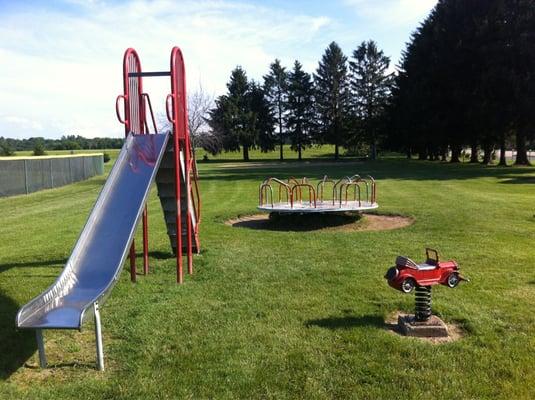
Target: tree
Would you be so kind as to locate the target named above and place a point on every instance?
(276, 86)
(242, 119)
(263, 118)
(466, 78)
(331, 88)
(199, 105)
(300, 106)
(39, 148)
(370, 90)
(5, 148)
(238, 112)
(220, 129)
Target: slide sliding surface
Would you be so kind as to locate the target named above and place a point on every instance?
(98, 256)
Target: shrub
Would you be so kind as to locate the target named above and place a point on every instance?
(6, 150)
(39, 149)
(106, 157)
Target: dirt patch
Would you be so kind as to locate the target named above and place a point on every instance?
(309, 222)
(455, 331)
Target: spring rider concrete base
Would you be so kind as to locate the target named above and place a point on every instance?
(423, 323)
(433, 327)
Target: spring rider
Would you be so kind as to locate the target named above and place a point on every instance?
(408, 276)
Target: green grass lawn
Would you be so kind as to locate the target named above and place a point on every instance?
(286, 315)
(313, 152)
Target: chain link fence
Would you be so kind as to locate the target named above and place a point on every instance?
(27, 175)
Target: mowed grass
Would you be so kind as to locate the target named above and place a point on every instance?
(286, 315)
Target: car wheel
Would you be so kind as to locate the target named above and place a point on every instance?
(408, 285)
(453, 280)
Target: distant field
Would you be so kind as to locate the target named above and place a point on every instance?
(287, 314)
(66, 152)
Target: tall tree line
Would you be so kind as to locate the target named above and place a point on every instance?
(467, 79)
(70, 142)
(341, 104)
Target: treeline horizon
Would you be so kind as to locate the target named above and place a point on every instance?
(340, 104)
(8, 146)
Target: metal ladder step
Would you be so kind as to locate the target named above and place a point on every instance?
(165, 182)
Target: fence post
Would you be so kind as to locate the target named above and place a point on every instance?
(70, 170)
(25, 177)
(51, 174)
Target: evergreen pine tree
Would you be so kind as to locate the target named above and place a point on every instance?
(263, 120)
(300, 106)
(238, 113)
(242, 118)
(370, 90)
(276, 86)
(332, 97)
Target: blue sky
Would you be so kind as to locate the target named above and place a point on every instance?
(60, 61)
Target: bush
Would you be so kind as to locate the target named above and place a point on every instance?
(106, 157)
(39, 149)
(6, 150)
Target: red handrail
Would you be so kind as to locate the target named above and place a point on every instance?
(134, 121)
(147, 98)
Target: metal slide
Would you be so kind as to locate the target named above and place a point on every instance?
(98, 256)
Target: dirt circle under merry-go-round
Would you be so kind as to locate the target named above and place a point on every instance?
(308, 222)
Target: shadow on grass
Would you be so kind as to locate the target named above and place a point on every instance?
(16, 346)
(347, 322)
(399, 169)
(327, 157)
(43, 263)
(158, 255)
(519, 180)
(64, 365)
(296, 222)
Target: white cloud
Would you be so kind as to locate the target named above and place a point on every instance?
(61, 69)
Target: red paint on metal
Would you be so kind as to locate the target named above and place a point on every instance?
(431, 272)
(135, 120)
(179, 132)
(133, 262)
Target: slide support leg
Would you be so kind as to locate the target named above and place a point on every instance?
(133, 261)
(41, 348)
(145, 242)
(98, 335)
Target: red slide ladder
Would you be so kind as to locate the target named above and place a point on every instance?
(177, 178)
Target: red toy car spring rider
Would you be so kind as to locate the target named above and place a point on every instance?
(407, 276)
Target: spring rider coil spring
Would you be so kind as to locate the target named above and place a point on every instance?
(422, 300)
